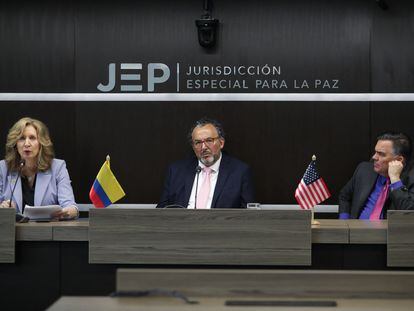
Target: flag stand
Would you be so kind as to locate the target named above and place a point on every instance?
(311, 190)
(105, 190)
(313, 221)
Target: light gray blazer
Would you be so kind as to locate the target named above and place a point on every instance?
(52, 187)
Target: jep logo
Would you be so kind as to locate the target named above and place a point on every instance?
(130, 75)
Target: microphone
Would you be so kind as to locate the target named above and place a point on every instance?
(21, 165)
(198, 170)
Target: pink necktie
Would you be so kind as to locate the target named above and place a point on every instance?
(204, 192)
(376, 213)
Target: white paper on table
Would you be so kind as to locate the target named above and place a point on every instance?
(41, 212)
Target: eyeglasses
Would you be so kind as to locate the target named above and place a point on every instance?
(208, 142)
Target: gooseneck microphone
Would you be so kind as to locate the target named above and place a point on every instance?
(198, 170)
(21, 165)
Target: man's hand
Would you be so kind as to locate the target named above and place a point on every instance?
(6, 204)
(394, 170)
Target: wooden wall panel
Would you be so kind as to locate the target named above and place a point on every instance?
(38, 46)
(56, 46)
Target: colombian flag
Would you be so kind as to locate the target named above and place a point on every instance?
(106, 189)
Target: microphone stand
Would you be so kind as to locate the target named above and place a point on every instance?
(19, 217)
(21, 165)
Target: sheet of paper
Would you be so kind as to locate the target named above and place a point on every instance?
(41, 212)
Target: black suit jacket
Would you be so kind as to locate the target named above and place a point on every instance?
(234, 186)
(355, 193)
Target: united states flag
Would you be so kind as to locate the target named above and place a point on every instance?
(312, 189)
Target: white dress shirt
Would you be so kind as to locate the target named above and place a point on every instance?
(213, 181)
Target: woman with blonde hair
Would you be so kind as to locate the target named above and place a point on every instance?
(44, 179)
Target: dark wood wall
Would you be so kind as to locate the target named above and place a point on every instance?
(61, 46)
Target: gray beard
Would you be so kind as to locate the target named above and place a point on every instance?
(207, 163)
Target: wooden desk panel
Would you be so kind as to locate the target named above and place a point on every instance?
(76, 230)
(218, 304)
(330, 231)
(400, 244)
(367, 232)
(222, 236)
(33, 231)
(71, 231)
(276, 283)
(7, 235)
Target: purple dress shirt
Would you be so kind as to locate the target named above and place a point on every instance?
(373, 197)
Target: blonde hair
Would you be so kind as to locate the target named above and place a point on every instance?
(46, 152)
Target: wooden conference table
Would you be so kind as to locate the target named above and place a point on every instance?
(55, 259)
(224, 289)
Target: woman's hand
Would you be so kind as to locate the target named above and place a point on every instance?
(69, 212)
(6, 204)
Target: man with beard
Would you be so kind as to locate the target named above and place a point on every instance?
(211, 179)
(385, 183)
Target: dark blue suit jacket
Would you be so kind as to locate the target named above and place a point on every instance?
(234, 186)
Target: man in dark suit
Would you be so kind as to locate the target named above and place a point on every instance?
(211, 179)
(386, 183)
